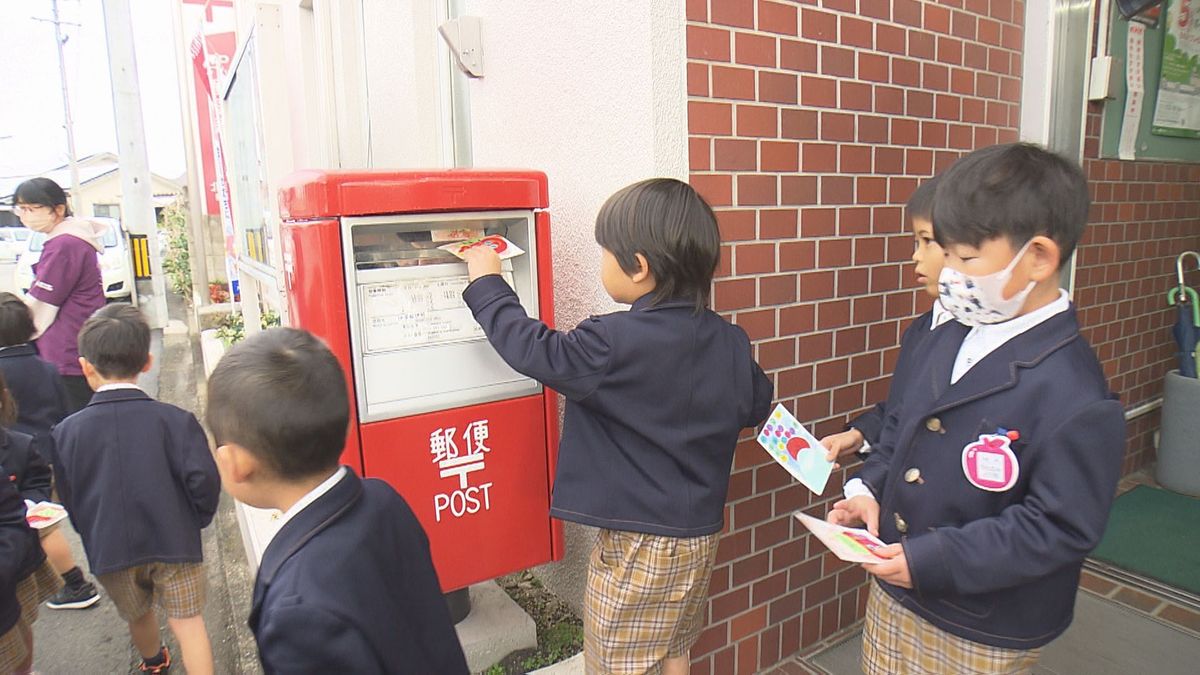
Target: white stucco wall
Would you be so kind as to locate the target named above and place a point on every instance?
(594, 95)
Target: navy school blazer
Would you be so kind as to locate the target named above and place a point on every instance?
(37, 389)
(20, 551)
(872, 422)
(656, 399)
(348, 586)
(1000, 568)
(138, 479)
(25, 466)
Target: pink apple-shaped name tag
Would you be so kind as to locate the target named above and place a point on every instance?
(989, 463)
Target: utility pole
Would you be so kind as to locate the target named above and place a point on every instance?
(68, 123)
(137, 207)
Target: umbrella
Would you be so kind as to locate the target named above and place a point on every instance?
(1187, 334)
(1187, 326)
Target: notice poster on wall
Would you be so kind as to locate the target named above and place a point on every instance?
(1177, 112)
(417, 312)
(1134, 70)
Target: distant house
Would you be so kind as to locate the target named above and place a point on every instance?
(99, 188)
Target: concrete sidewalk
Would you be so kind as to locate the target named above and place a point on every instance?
(96, 640)
(1106, 638)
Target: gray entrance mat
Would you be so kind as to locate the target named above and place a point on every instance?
(1105, 639)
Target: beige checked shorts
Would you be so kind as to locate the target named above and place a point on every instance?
(645, 599)
(32, 591)
(176, 588)
(897, 641)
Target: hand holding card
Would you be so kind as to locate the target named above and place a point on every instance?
(849, 544)
(796, 449)
(43, 514)
(502, 246)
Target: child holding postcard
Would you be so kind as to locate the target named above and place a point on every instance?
(34, 578)
(656, 398)
(18, 580)
(997, 476)
(39, 403)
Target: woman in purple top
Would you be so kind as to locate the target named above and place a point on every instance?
(67, 286)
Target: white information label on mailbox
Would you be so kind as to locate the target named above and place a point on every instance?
(417, 312)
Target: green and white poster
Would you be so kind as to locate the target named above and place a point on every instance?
(1177, 112)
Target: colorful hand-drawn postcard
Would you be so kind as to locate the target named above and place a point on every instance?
(502, 246)
(798, 451)
(849, 544)
(44, 514)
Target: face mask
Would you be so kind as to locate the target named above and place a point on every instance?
(38, 221)
(979, 300)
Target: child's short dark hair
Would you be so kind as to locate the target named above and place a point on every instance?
(1018, 191)
(116, 341)
(920, 204)
(673, 227)
(282, 396)
(16, 321)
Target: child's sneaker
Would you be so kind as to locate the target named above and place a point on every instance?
(78, 596)
(161, 665)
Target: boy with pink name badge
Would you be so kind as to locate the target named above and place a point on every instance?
(996, 479)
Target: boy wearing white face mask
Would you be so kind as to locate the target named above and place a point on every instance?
(997, 478)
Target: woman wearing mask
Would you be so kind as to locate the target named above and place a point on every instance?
(67, 286)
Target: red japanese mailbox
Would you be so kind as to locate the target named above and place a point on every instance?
(435, 412)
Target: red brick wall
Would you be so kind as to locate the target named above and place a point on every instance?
(810, 124)
(1143, 215)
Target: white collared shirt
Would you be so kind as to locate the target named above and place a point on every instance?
(940, 315)
(312, 496)
(979, 342)
(117, 385)
(983, 340)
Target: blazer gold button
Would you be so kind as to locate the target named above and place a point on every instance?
(912, 475)
(901, 526)
(933, 424)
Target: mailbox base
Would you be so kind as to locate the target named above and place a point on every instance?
(496, 627)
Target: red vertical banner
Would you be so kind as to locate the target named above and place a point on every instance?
(212, 55)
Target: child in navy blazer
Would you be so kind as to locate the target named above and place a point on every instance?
(656, 399)
(139, 481)
(997, 476)
(347, 584)
(40, 403)
(19, 455)
(19, 555)
(23, 467)
(864, 431)
(34, 383)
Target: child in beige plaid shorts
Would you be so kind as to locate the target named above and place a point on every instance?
(656, 399)
(139, 480)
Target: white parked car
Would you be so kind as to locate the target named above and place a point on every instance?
(116, 265)
(12, 243)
